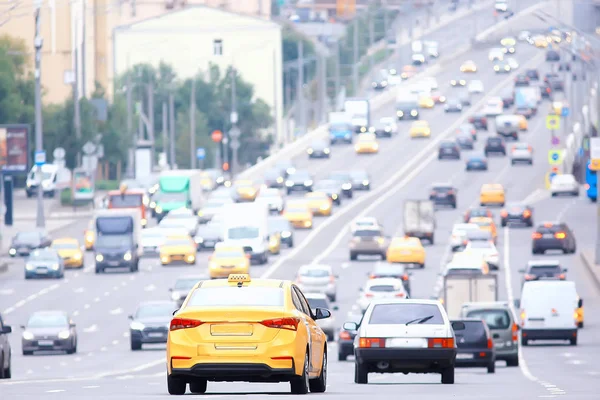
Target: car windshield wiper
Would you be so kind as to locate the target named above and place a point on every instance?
(419, 320)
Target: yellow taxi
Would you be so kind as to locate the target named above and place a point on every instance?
(366, 143)
(508, 44)
(89, 236)
(319, 203)
(541, 42)
(408, 71)
(299, 214)
(207, 181)
(275, 243)
(406, 250)
(523, 124)
(69, 250)
(426, 100)
(246, 330)
(228, 259)
(492, 193)
(246, 190)
(420, 128)
(178, 248)
(468, 66)
(579, 314)
(486, 224)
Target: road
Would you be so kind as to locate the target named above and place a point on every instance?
(104, 365)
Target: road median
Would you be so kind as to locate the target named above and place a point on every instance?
(587, 257)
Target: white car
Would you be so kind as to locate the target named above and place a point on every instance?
(521, 152)
(493, 107)
(151, 240)
(381, 288)
(564, 184)
(524, 36)
(458, 239)
(316, 300)
(431, 82)
(364, 223)
(462, 264)
(496, 54)
(183, 218)
(512, 63)
(418, 59)
(475, 87)
(317, 279)
(486, 250)
(404, 336)
(273, 198)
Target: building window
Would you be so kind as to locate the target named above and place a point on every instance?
(218, 47)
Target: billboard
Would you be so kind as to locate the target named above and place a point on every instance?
(83, 185)
(14, 149)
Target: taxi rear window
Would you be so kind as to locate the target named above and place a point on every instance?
(233, 296)
(392, 314)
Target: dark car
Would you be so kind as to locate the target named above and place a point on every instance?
(300, 180)
(274, 178)
(23, 243)
(182, 288)
(546, 90)
(525, 110)
(395, 271)
(281, 225)
(360, 179)
(286, 167)
(552, 55)
(494, 145)
(557, 85)
(318, 149)
(550, 75)
(150, 323)
(477, 162)
(49, 330)
(332, 188)
(538, 270)
(508, 97)
(516, 213)
(502, 67)
(345, 181)
(443, 194)
(479, 121)
(564, 66)
(477, 212)
(345, 339)
(533, 74)
(115, 251)
(453, 104)
(468, 128)
(465, 141)
(449, 149)
(208, 235)
(475, 346)
(553, 236)
(522, 80)
(464, 97)
(407, 109)
(5, 350)
(383, 128)
(44, 263)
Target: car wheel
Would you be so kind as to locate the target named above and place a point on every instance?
(512, 162)
(332, 298)
(2, 370)
(198, 386)
(368, 187)
(491, 367)
(361, 376)
(100, 270)
(299, 384)
(524, 342)
(27, 352)
(454, 206)
(319, 385)
(342, 356)
(136, 345)
(512, 362)
(448, 375)
(176, 386)
(580, 324)
(353, 257)
(573, 341)
(291, 244)
(422, 265)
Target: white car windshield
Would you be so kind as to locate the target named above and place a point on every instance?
(409, 313)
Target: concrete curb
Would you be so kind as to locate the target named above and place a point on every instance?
(588, 260)
(4, 266)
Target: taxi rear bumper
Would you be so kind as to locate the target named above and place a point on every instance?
(230, 372)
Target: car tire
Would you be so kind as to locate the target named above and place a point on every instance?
(368, 187)
(448, 376)
(512, 362)
(454, 206)
(361, 376)
(333, 298)
(422, 266)
(176, 386)
(512, 162)
(198, 386)
(136, 345)
(491, 368)
(319, 385)
(100, 270)
(553, 194)
(573, 341)
(383, 256)
(503, 224)
(2, 370)
(8, 370)
(27, 353)
(580, 325)
(299, 384)
(353, 256)
(524, 342)
(342, 356)
(290, 244)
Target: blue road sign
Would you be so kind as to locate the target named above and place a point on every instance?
(555, 157)
(40, 158)
(551, 176)
(200, 153)
(565, 112)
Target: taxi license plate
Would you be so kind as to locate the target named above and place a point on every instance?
(23, 250)
(41, 271)
(535, 324)
(45, 342)
(447, 151)
(464, 356)
(156, 334)
(405, 252)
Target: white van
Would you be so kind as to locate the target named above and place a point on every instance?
(49, 180)
(549, 311)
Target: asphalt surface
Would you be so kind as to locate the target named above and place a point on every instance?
(404, 168)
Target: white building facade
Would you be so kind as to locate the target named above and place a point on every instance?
(193, 38)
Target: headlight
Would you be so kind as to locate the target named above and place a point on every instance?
(442, 99)
(453, 82)
(198, 240)
(289, 183)
(372, 129)
(243, 264)
(388, 129)
(507, 68)
(191, 258)
(28, 184)
(384, 83)
(213, 265)
(414, 113)
(399, 113)
(99, 257)
(365, 183)
(28, 335)
(127, 256)
(286, 234)
(55, 266)
(363, 129)
(77, 256)
(334, 196)
(200, 213)
(347, 186)
(158, 209)
(29, 267)
(280, 180)
(374, 84)
(324, 207)
(308, 182)
(164, 259)
(137, 326)
(326, 151)
(496, 68)
(64, 334)
(144, 221)
(463, 82)
(309, 151)
(12, 252)
(174, 296)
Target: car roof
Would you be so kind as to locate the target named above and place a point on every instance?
(155, 302)
(50, 312)
(504, 305)
(315, 266)
(384, 281)
(545, 263)
(65, 240)
(406, 301)
(215, 283)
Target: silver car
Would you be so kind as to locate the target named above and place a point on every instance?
(182, 217)
(316, 300)
(521, 152)
(49, 330)
(182, 287)
(212, 207)
(272, 198)
(152, 239)
(368, 242)
(458, 238)
(564, 184)
(317, 279)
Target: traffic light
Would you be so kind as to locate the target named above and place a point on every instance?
(225, 166)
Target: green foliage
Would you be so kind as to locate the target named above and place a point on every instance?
(107, 185)
(16, 83)
(289, 43)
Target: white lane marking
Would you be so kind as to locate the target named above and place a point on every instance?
(106, 294)
(104, 348)
(91, 329)
(115, 288)
(124, 377)
(97, 300)
(9, 310)
(46, 367)
(123, 283)
(79, 290)
(116, 311)
(568, 355)
(575, 362)
(77, 359)
(86, 306)
(63, 364)
(125, 334)
(32, 297)
(115, 342)
(76, 274)
(90, 354)
(75, 313)
(511, 301)
(91, 387)
(345, 265)
(594, 373)
(150, 288)
(566, 208)
(6, 292)
(55, 391)
(29, 372)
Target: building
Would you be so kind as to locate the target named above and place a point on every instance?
(63, 28)
(191, 39)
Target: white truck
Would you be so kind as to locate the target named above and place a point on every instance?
(419, 219)
(359, 111)
(246, 225)
(468, 288)
(118, 239)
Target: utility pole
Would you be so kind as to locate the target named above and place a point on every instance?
(76, 113)
(165, 131)
(355, 59)
(83, 48)
(39, 145)
(234, 132)
(300, 87)
(323, 87)
(276, 77)
(130, 166)
(193, 124)
(371, 17)
(172, 129)
(151, 121)
(338, 73)
(385, 28)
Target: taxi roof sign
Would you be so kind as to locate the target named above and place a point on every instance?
(239, 278)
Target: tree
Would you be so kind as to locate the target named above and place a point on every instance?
(16, 83)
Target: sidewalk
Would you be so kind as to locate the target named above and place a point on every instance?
(587, 256)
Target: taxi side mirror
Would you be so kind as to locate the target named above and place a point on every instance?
(322, 313)
(580, 303)
(565, 270)
(350, 326)
(175, 311)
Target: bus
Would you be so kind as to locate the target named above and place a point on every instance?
(591, 183)
(129, 198)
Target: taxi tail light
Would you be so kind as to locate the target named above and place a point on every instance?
(536, 235)
(529, 277)
(547, 90)
(184, 323)
(369, 295)
(530, 148)
(527, 213)
(400, 295)
(345, 335)
(446, 343)
(181, 358)
(587, 186)
(490, 343)
(405, 277)
(284, 358)
(471, 119)
(248, 256)
(372, 276)
(515, 330)
(562, 277)
(371, 342)
(504, 214)
(560, 235)
(289, 323)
